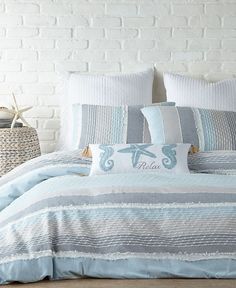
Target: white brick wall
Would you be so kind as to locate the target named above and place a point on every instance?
(39, 38)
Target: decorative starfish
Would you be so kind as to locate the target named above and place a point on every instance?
(17, 113)
(136, 151)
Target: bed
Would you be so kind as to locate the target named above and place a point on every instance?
(133, 210)
(57, 223)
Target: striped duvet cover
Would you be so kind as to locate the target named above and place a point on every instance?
(56, 224)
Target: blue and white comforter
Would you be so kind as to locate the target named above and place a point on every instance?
(56, 224)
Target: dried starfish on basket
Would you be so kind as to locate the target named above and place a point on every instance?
(14, 113)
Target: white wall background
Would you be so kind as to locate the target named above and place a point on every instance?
(39, 38)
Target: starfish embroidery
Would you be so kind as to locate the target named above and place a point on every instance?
(137, 150)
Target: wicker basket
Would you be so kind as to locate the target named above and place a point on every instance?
(17, 146)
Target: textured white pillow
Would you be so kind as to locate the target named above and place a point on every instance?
(186, 91)
(110, 90)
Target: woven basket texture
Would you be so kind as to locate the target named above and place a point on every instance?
(17, 146)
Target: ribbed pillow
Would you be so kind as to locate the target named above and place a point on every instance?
(204, 128)
(186, 91)
(113, 90)
(213, 162)
(95, 124)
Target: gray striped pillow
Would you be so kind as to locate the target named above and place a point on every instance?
(95, 124)
(207, 129)
(213, 162)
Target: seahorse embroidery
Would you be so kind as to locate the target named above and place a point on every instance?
(171, 161)
(105, 164)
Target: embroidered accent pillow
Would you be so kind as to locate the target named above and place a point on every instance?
(206, 129)
(139, 158)
(94, 124)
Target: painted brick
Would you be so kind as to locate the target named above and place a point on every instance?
(229, 22)
(187, 10)
(171, 44)
(27, 100)
(221, 55)
(42, 39)
(7, 89)
(139, 44)
(105, 44)
(72, 21)
(172, 21)
(48, 100)
(23, 32)
(38, 89)
(38, 66)
(229, 44)
(22, 8)
(139, 22)
(124, 56)
(2, 32)
(88, 55)
(21, 77)
(187, 33)
(9, 43)
(55, 33)
(210, 21)
(122, 9)
(122, 33)
(48, 77)
(89, 33)
(40, 112)
(203, 66)
(54, 55)
(106, 22)
(187, 56)
(10, 20)
(155, 34)
(104, 67)
(72, 44)
(220, 33)
(154, 9)
(35, 20)
(2, 7)
(55, 9)
(222, 9)
(9, 66)
(52, 124)
(229, 67)
(37, 43)
(88, 9)
(21, 55)
(154, 55)
(46, 134)
(72, 66)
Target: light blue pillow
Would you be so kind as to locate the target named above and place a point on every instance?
(93, 124)
(139, 158)
(204, 128)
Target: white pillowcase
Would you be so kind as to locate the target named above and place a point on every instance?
(111, 90)
(186, 91)
(139, 158)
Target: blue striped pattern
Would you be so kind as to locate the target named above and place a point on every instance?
(213, 162)
(76, 222)
(204, 128)
(94, 124)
